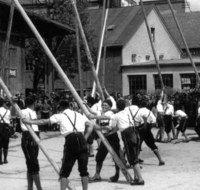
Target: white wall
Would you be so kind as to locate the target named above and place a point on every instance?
(139, 44)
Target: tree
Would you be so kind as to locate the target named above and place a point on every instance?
(63, 47)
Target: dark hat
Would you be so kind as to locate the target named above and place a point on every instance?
(108, 102)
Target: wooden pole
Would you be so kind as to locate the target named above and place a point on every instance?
(104, 54)
(35, 137)
(71, 88)
(79, 60)
(185, 43)
(152, 46)
(103, 26)
(87, 49)
(7, 42)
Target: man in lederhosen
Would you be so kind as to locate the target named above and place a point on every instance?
(76, 128)
(121, 121)
(112, 139)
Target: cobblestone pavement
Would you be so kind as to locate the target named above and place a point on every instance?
(181, 171)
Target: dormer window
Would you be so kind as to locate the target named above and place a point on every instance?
(161, 57)
(133, 58)
(147, 57)
(152, 30)
(111, 27)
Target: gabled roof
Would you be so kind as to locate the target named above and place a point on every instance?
(45, 26)
(190, 25)
(125, 21)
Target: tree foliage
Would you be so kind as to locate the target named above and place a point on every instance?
(63, 46)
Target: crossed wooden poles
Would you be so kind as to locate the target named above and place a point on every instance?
(67, 81)
(68, 84)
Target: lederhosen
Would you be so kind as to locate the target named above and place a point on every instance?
(75, 148)
(146, 135)
(168, 122)
(4, 133)
(31, 151)
(113, 140)
(131, 140)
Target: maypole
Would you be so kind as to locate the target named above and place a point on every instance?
(71, 88)
(185, 43)
(103, 29)
(104, 50)
(35, 137)
(7, 42)
(89, 56)
(152, 46)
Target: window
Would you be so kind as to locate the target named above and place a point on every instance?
(147, 57)
(133, 58)
(167, 80)
(136, 83)
(111, 27)
(29, 66)
(188, 82)
(161, 57)
(152, 30)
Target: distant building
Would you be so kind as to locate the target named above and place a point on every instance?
(17, 70)
(130, 64)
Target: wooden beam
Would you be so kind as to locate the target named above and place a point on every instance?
(79, 59)
(5, 56)
(87, 50)
(35, 137)
(185, 43)
(71, 88)
(152, 46)
(103, 30)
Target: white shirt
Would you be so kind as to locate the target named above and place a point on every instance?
(180, 113)
(145, 113)
(29, 114)
(109, 114)
(121, 120)
(169, 110)
(7, 117)
(132, 111)
(65, 125)
(159, 106)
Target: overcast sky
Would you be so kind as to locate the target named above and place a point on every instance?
(194, 4)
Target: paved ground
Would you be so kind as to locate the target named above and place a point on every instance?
(181, 172)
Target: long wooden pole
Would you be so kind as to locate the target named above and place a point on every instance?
(35, 137)
(87, 49)
(79, 59)
(71, 88)
(152, 46)
(104, 53)
(103, 26)
(185, 43)
(7, 42)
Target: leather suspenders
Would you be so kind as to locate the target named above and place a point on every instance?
(73, 124)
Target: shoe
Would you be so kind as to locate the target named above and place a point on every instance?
(91, 155)
(114, 178)
(95, 179)
(161, 163)
(140, 160)
(137, 182)
(186, 141)
(5, 161)
(1, 163)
